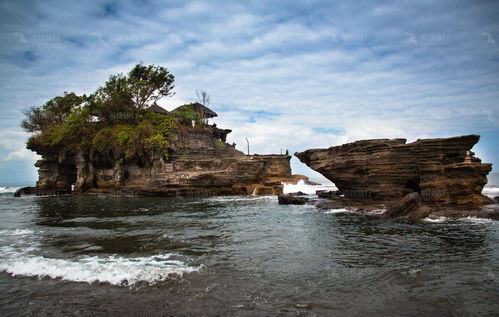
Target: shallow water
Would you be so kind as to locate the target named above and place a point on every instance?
(82, 255)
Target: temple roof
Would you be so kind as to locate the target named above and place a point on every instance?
(157, 109)
(199, 108)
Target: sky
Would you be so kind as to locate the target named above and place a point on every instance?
(288, 75)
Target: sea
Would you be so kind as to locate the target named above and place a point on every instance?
(238, 256)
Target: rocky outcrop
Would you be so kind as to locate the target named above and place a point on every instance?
(410, 207)
(199, 164)
(328, 194)
(442, 171)
(290, 199)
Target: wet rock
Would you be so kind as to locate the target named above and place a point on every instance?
(298, 194)
(443, 171)
(328, 204)
(328, 194)
(25, 191)
(409, 208)
(288, 199)
(496, 199)
(486, 212)
(404, 207)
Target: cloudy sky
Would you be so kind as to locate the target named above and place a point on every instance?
(286, 74)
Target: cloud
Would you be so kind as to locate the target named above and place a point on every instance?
(287, 75)
(22, 153)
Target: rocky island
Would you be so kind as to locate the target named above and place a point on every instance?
(120, 141)
(413, 179)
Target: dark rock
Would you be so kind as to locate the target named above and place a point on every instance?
(198, 164)
(409, 208)
(419, 213)
(25, 191)
(496, 199)
(488, 212)
(298, 194)
(328, 204)
(404, 207)
(328, 194)
(489, 201)
(288, 199)
(443, 171)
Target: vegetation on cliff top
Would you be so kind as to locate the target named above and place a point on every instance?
(114, 118)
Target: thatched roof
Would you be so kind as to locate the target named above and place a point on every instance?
(199, 108)
(157, 109)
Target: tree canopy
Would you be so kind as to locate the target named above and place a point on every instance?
(54, 111)
(113, 117)
(123, 98)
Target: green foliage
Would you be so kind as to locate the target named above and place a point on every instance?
(219, 143)
(186, 115)
(123, 98)
(149, 83)
(54, 111)
(115, 137)
(151, 134)
(111, 119)
(113, 103)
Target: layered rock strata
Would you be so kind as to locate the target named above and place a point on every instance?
(199, 164)
(443, 171)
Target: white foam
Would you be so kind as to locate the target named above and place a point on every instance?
(305, 188)
(376, 212)
(476, 220)
(490, 191)
(8, 189)
(234, 198)
(16, 232)
(436, 220)
(114, 270)
(337, 211)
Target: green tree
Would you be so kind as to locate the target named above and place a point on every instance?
(148, 84)
(54, 111)
(123, 98)
(112, 103)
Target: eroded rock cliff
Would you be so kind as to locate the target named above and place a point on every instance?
(443, 171)
(199, 163)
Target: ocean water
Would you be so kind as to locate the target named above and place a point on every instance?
(238, 256)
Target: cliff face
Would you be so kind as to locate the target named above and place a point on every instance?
(442, 171)
(199, 163)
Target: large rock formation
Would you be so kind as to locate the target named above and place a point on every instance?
(443, 171)
(199, 163)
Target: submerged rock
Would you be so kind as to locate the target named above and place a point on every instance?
(289, 199)
(443, 171)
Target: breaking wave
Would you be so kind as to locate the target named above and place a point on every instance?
(437, 220)
(301, 186)
(490, 191)
(338, 211)
(114, 270)
(22, 260)
(8, 189)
